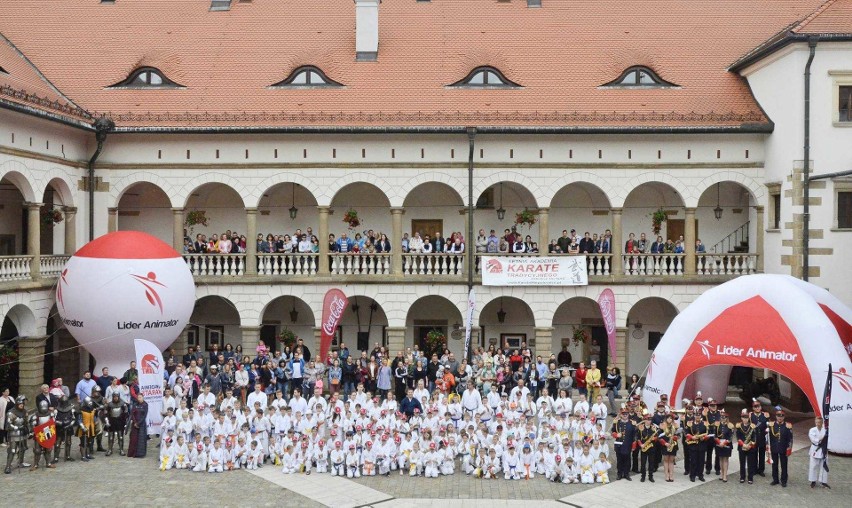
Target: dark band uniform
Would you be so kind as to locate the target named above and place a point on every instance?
(623, 434)
(747, 447)
(780, 446)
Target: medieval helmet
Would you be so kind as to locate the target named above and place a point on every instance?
(96, 388)
(20, 399)
(43, 405)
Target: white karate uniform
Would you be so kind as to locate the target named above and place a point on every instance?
(602, 471)
(816, 473)
(528, 465)
(200, 460)
(415, 463)
(569, 473)
(288, 463)
(216, 460)
(321, 458)
(586, 463)
(338, 462)
(448, 464)
(432, 461)
(353, 463)
(511, 466)
(368, 461)
(180, 457)
(254, 457)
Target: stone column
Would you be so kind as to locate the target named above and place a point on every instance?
(251, 241)
(617, 267)
(760, 230)
(251, 336)
(543, 230)
(34, 239)
(180, 342)
(469, 243)
(177, 229)
(31, 366)
(396, 340)
(323, 268)
(544, 341)
(112, 220)
(318, 343)
(621, 354)
(689, 238)
(70, 230)
(396, 241)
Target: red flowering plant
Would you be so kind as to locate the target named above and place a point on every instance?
(580, 335)
(436, 341)
(196, 218)
(525, 218)
(351, 218)
(51, 216)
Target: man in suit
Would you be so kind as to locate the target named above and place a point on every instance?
(52, 400)
(587, 246)
(624, 434)
(780, 446)
(189, 356)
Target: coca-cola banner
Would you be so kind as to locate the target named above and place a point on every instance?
(606, 301)
(333, 305)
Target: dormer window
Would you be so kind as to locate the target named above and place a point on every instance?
(639, 76)
(307, 76)
(146, 77)
(3, 71)
(483, 77)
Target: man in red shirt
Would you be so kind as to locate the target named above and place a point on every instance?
(580, 378)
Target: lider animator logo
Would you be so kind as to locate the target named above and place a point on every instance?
(762, 353)
(151, 293)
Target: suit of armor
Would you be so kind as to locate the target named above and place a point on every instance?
(17, 431)
(99, 404)
(42, 415)
(116, 423)
(67, 422)
(88, 429)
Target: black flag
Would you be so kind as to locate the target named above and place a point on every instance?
(826, 409)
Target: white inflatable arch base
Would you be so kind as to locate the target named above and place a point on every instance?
(767, 321)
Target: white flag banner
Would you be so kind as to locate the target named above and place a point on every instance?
(149, 361)
(534, 271)
(471, 306)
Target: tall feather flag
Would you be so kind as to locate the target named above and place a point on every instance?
(826, 409)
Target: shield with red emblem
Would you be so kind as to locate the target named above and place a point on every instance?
(45, 434)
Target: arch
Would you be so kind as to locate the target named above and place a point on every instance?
(196, 183)
(24, 320)
(224, 309)
(120, 186)
(404, 190)
(424, 299)
(18, 179)
(772, 322)
(360, 318)
(63, 189)
(327, 198)
(678, 186)
(519, 317)
(604, 186)
(302, 307)
(756, 190)
(509, 176)
(278, 178)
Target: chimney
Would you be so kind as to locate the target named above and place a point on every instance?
(366, 30)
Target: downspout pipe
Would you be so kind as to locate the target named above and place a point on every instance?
(471, 139)
(806, 166)
(103, 126)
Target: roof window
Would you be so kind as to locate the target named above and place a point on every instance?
(639, 76)
(485, 77)
(307, 76)
(146, 77)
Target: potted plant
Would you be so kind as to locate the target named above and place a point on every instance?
(196, 218)
(436, 341)
(352, 219)
(580, 335)
(657, 219)
(525, 218)
(287, 338)
(51, 216)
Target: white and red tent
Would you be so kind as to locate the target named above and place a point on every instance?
(767, 321)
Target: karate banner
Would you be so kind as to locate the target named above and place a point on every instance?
(471, 305)
(606, 301)
(333, 305)
(534, 271)
(149, 360)
(45, 434)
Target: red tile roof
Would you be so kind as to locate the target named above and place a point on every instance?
(833, 17)
(560, 54)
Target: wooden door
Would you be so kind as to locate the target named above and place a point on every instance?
(427, 227)
(676, 227)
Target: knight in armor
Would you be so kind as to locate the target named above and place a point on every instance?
(67, 421)
(17, 431)
(99, 404)
(88, 428)
(116, 423)
(42, 415)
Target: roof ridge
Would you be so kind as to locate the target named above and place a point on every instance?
(40, 74)
(810, 17)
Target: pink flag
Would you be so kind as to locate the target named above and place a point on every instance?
(607, 304)
(333, 305)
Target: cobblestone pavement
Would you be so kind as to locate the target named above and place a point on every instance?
(798, 492)
(461, 486)
(120, 481)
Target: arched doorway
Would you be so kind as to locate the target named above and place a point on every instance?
(146, 207)
(288, 314)
(639, 206)
(14, 188)
(507, 321)
(434, 312)
(363, 324)
(498, 206)
(215, 320)
(581, 317)
(647, 321)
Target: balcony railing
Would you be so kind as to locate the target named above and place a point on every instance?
(360, 264)
(51, 266)
(216, 265)
(287, 264)
(726, 264)
(653, 264)
(433, 264)
(15, 267)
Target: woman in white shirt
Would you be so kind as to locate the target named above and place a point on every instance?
(224, 244)
(415, 245)
(241, 379)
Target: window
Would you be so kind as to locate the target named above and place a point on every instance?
(638, 76)
(483, 77)
(775, 213)
(845, 107)
(146, 77)
(2, 70)
(844, 209)
(307, 76)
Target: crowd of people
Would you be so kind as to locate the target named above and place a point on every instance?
(414, 414)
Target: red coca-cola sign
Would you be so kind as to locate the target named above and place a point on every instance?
(333, 305)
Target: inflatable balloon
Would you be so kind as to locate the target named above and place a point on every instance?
(123, 286)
